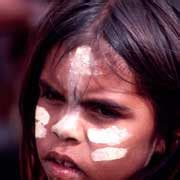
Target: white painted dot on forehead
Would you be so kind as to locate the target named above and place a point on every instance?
(110, 136)
(42, 118)
(108, 154)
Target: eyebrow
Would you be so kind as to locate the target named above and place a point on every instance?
(46, 85)
(90, 102)
(107, 103)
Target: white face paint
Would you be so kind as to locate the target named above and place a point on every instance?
(108, 154)
(42, 118)
(110, 136)
(81, 64)
(81, 61)
(66, 124)
(40, 130)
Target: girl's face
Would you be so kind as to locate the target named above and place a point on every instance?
(90, 123)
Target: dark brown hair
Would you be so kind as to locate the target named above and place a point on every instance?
(146, 34)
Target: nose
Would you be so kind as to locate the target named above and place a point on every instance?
(69, 128)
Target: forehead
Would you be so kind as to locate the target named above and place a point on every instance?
(97, 67)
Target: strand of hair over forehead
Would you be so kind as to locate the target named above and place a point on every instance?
(103, 13)
(101, 17)
(99, 9)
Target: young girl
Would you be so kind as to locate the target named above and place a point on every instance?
(101, 95)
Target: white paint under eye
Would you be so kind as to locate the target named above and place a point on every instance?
(67, 124)
(40, 130)
(42, 118)
(42, 115)
(110, 136)
(108, 154)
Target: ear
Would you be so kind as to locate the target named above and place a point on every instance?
(160, 145)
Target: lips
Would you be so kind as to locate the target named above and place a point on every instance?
(62, 166)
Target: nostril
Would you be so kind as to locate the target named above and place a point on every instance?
(66, 139)
(64, 135)
(72, 140)
(69, 128)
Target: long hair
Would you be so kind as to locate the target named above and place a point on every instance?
(146, 34)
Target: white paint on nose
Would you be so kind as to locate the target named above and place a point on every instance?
(108, 154)
(67, 126)
(42, 118)
(110, 136)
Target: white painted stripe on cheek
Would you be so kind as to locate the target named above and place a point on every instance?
(42, 118)
(40, 130)
(110, 136)
(108, 154)
(42, 115)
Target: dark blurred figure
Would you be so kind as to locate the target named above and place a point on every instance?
(17, 20)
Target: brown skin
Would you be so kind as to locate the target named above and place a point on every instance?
(138, 120)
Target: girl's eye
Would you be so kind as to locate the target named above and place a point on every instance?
(50, 94)
(102, 110)
(105, 112)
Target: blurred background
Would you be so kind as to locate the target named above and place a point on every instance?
(18, 18)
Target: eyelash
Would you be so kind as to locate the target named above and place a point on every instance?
(97, 110)
(104, 111)
(50, 95)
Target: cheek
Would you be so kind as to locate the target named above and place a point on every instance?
(40, 130)
(42, 122)
(44, 145)
(108, 154)
(140, 151)
(110, 136)
(42, 118)
(110, 141)
(114, 143)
